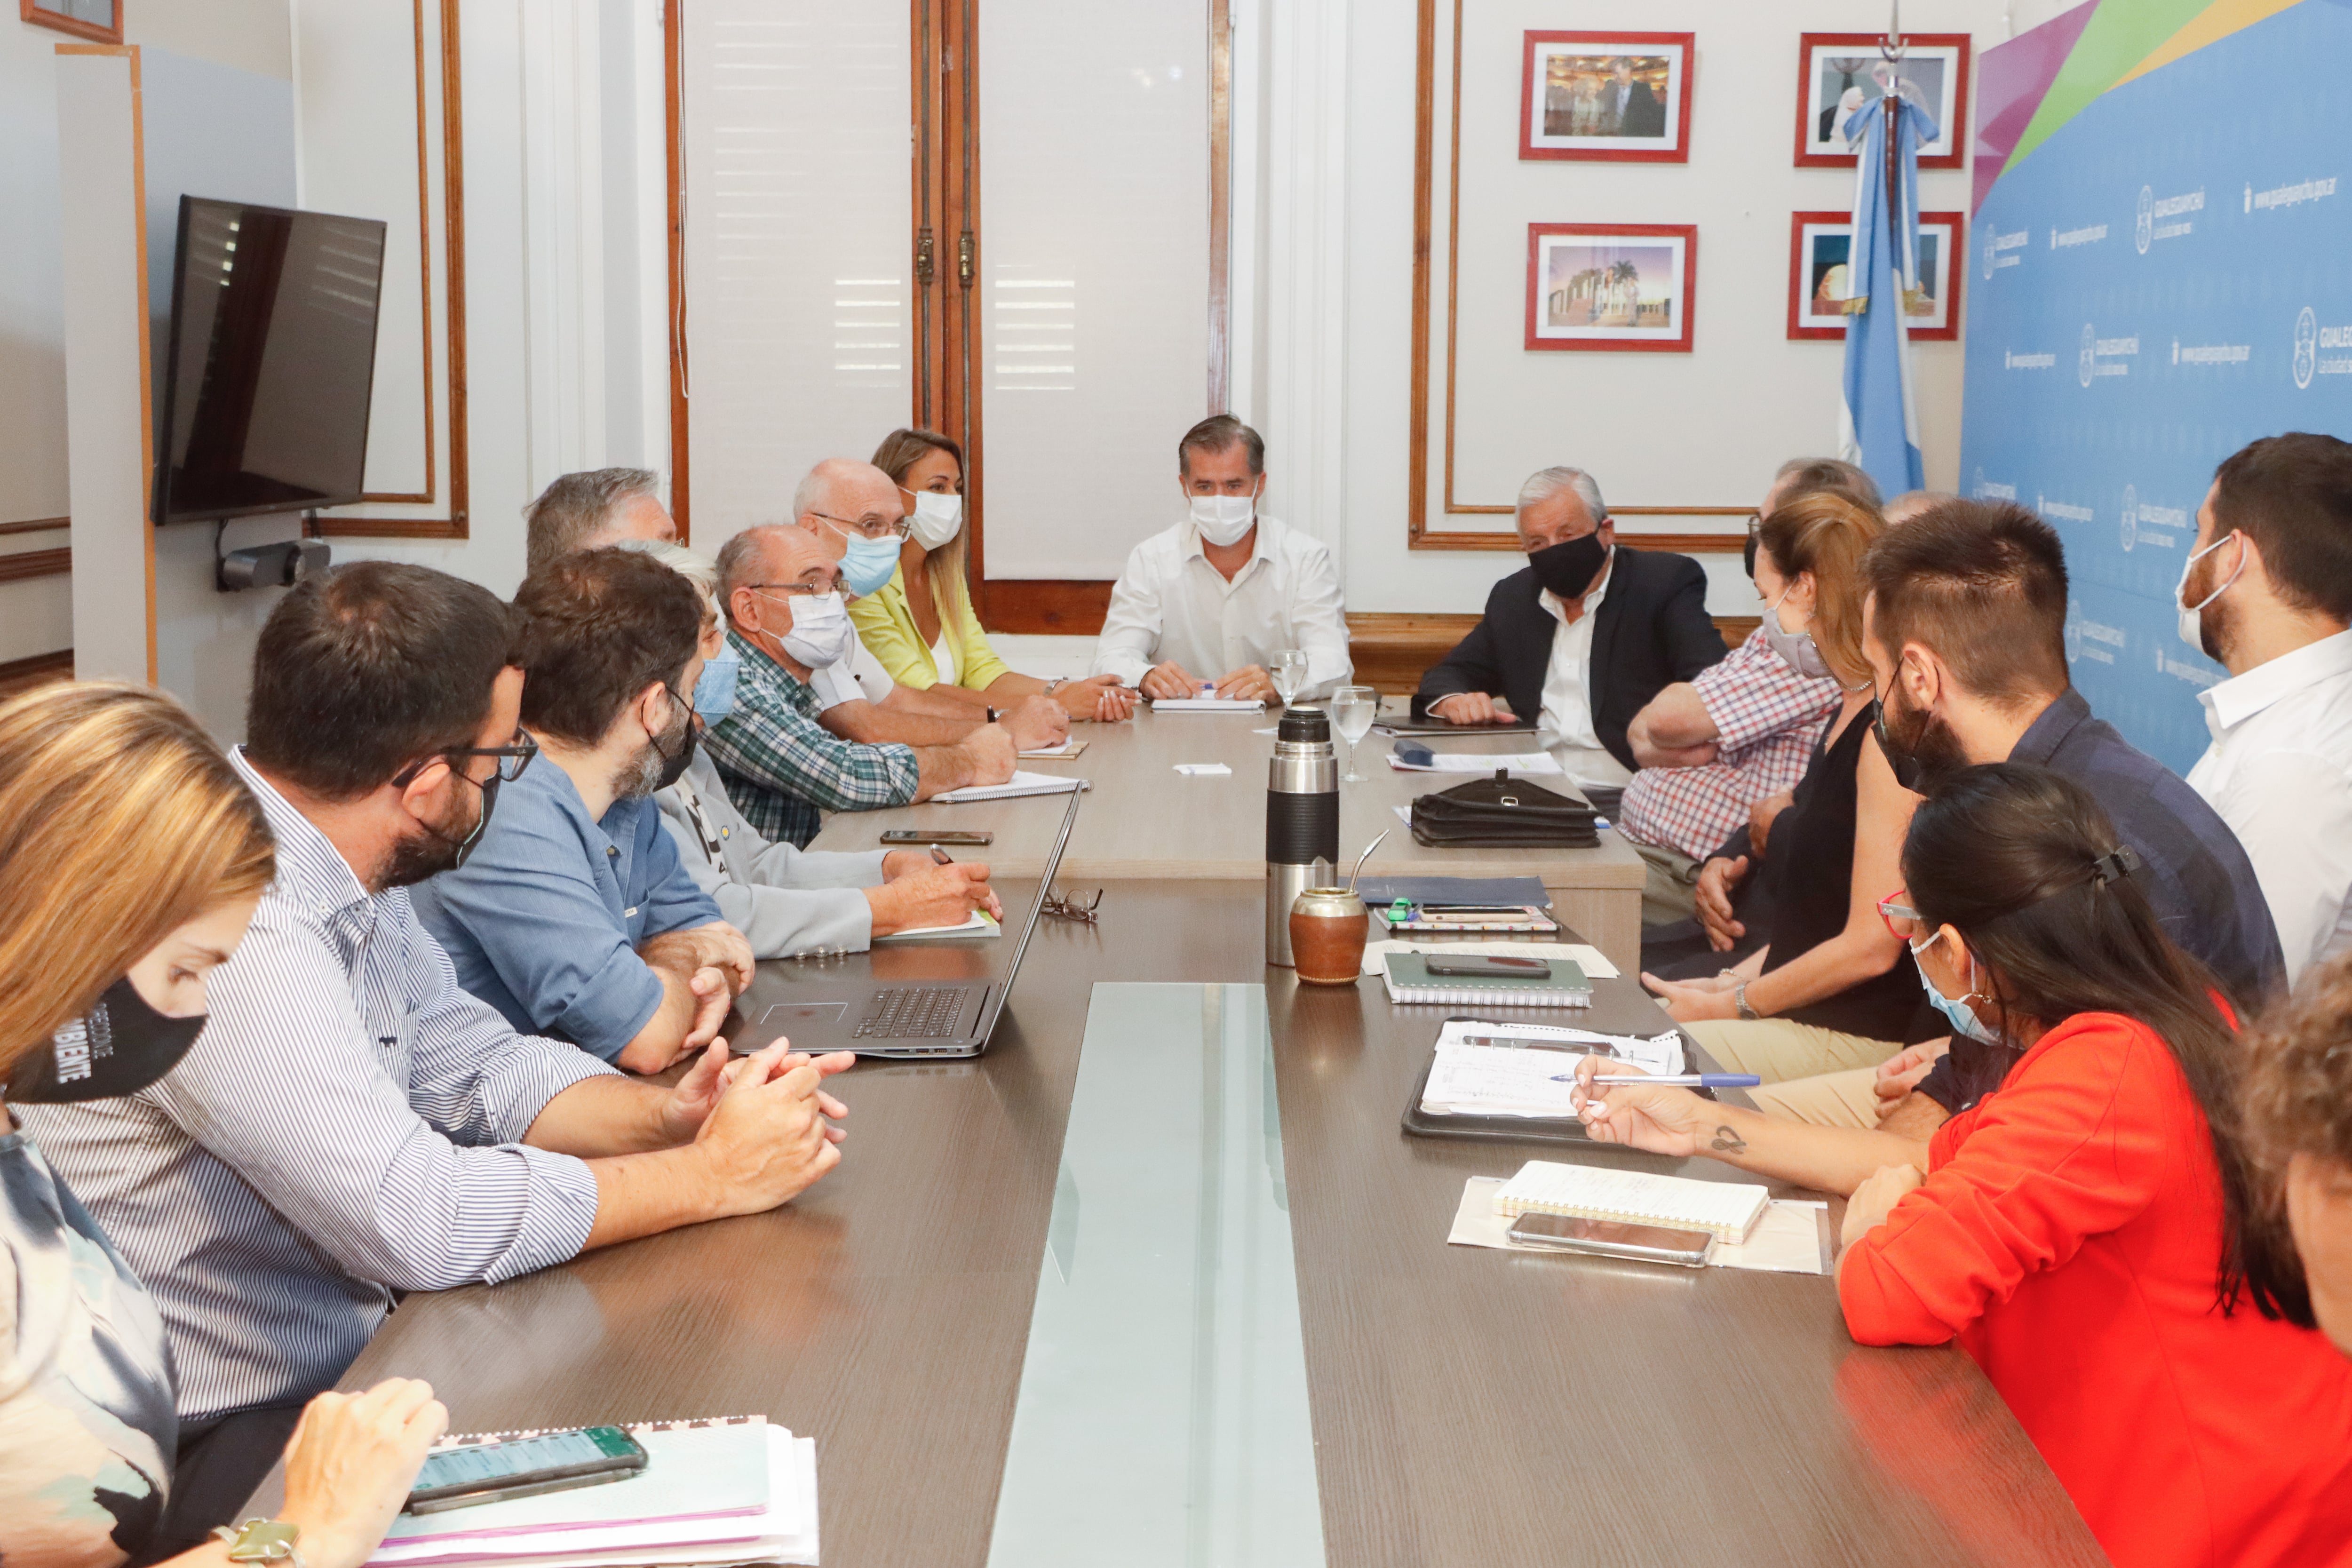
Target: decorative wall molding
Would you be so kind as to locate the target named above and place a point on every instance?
(446, 60)
(36, 525)
(30, 563)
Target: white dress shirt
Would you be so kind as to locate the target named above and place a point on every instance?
(1565, 728)
(1170, 604)
(856, 674)
(2279, 772)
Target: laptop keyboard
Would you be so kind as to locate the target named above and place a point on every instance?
(913, 1013)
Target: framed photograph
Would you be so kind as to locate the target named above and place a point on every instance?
(1625, 96)
(1611, 287)
(99, 21)
(1837, 69)
(1819, 244)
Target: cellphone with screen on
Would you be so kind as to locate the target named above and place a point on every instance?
(524, 1467)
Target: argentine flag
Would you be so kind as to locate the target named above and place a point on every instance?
(1878, 426)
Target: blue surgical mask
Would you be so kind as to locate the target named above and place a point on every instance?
(714, 693)
(1954, 1009)
(870, 563)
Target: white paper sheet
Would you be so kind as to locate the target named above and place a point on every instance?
(973, 924)
(1205, 769)
(1064, 751)
(1206, 705)
(1479, 763)
(1466, 1079)
(1020, 783)
(1786, 1241)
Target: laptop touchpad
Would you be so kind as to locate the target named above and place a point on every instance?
(782, 1015)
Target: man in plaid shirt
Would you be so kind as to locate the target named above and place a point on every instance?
(782, 768)
(1738, 734)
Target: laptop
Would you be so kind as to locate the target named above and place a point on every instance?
(912, 1000)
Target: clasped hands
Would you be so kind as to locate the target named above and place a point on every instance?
(1171, 681)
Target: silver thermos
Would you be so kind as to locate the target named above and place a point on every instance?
(1302, 821)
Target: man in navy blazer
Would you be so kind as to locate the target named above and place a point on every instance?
(1581, 637)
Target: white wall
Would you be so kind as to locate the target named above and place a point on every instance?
(1739, 188)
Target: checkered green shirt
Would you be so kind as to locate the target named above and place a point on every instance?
(782, 768)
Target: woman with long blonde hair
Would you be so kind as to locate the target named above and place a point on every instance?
(130, 860)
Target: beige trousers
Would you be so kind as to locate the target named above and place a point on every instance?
(1810, 1075)
(1670, 892)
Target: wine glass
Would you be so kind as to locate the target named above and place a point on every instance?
(1352, 709)
(1289, 674)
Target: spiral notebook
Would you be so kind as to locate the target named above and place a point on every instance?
(1407, 979)
(1731, 1209)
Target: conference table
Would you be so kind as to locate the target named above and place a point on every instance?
(1150, 821)
(1158, 1279)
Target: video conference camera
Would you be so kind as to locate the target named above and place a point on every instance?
(271, 565)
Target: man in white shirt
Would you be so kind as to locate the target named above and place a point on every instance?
(1582, 638)
(1203, 608)
(2268, 592)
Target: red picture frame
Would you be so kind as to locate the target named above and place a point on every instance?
(41, 15)
(1581, 338)
(1682, 75)
(1953, 115)
(1950, 267)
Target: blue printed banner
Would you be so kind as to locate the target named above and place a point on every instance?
(2166, 277)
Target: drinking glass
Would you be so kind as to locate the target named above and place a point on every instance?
(1352, 709)
(1289, 674)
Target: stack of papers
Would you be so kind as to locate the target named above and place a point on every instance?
(1793, 1237)
(1020, 783)
(1536, 1076)
(711, 1492)
(1064, 751)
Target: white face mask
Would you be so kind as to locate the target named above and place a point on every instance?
(1223, 519)
(2192, 624)
(937, 517)
(821, 630)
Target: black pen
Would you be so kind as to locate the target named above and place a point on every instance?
(940, 857)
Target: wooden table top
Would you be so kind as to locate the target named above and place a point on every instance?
(1146, 819)
(1469, 1407)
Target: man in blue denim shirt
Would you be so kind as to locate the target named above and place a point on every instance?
(575, 916)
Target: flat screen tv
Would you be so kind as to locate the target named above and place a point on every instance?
(271, 361)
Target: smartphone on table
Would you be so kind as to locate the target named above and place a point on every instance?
(524, 1467)
(1488, 967)
(937, 835)
(1615, 1239)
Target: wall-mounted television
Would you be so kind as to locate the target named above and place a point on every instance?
(270, 363)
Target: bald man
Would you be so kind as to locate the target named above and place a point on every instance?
(781, 767)
(854, 510)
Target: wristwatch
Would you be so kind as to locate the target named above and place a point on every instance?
(263, 1541)
(1056, 684)
(992, 715)
(1740, 1002)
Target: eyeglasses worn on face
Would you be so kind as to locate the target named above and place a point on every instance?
(512, 760)
(791, 590)
(871, 527)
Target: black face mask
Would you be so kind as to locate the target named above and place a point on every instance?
(1925, 752)
(674, 764)
(416, 859)
(118, 1048)
(1569, 567)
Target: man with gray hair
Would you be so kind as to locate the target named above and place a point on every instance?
(1579, 639)
(592, 508)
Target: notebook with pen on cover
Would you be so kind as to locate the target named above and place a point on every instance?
(1563, 984)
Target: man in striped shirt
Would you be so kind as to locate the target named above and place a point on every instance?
(351, 1124)
(782, 592)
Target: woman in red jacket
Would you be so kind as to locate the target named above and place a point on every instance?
(2089, 1232)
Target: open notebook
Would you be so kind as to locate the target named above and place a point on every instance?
(1729, 1209)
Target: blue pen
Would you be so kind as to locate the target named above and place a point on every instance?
(1676, 1080)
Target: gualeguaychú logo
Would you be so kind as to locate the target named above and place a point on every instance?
(1991, 250)
(2307, 347)
(2131, 517)
(2073, 641)
(2087, 366)
(2144, 223)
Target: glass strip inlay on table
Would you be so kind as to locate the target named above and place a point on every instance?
(1162, 1418)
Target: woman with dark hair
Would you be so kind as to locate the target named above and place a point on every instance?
(919, 622)
(2090, 1231)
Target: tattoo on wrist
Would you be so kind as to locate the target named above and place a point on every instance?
(1727, 1141)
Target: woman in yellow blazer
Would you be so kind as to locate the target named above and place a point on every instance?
(920, 623)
